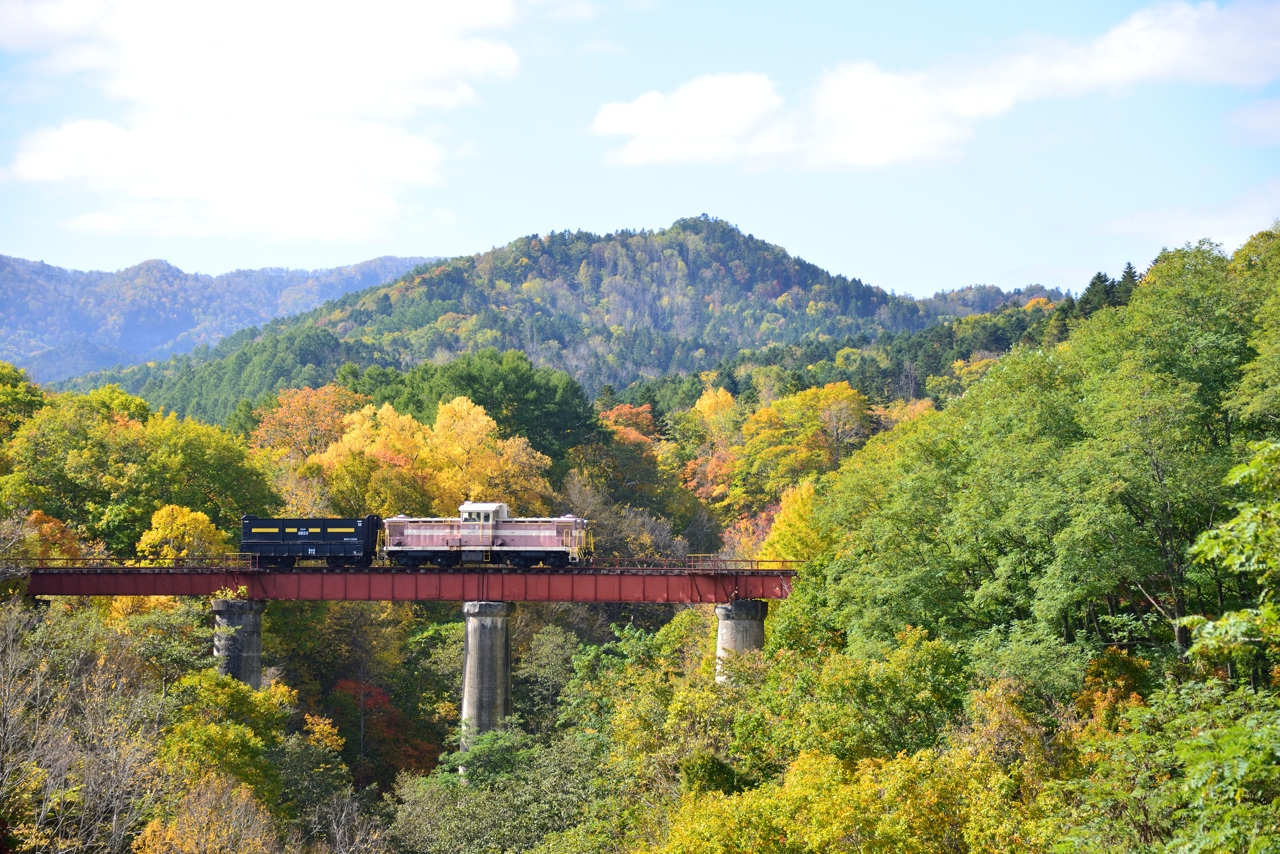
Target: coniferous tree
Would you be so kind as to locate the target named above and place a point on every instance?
(1100, 293)
(1058, 324)
(1125, 285)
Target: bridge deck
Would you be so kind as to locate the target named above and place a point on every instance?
(697, 579)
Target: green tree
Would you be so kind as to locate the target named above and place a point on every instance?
(221, 724)
(172, 641)
(545, 406)
(19, 399)
(1099, 294)
(104, 464)
(1125, 284)
(1248, 547)
(1257, 400)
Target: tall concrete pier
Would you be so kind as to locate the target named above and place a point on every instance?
(486, 668)
(741, 629)
(238, 642)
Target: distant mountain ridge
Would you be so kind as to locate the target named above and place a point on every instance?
(59, 323)
(605, 308)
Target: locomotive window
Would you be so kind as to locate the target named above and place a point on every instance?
(486, 518)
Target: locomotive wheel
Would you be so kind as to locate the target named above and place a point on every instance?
(557, 561)
(521, 561)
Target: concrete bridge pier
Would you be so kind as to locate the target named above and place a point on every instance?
(237, 645)
(741, 629)
(486, 668)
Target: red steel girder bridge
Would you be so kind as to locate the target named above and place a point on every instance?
(696, 579)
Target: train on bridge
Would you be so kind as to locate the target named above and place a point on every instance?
(482, 533)
(482, 555)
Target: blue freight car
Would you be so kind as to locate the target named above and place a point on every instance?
(284, 542)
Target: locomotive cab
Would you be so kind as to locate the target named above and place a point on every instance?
(484, 512)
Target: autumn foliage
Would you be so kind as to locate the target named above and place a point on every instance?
(178, 533)
(306, 421)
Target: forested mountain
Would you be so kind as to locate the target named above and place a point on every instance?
(607, 309)
(1035, 612)
(59, 323)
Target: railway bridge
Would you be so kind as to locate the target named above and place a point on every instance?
(241, 587)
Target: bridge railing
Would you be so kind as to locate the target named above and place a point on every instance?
(710, 564)
(218, 563)
(698, 564)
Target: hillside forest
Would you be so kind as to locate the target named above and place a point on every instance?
(608, 310)
(59, 323)
(1037, 609)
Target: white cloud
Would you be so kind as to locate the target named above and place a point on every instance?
(1230, 224)
(860, 115)
(709, 118)
(602, 47)
(565, 10)
(279, 118)
(1259, 121)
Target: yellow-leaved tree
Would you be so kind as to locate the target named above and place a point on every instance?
(177, 533)
(981, 795)
(712, 426)
(216, 815)
(470, 461)
(805, 434)
(377, 465)
(794, 535)
(388, 463)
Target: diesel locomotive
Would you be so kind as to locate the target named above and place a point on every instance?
(482, 533)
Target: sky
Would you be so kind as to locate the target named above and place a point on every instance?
(917, 146)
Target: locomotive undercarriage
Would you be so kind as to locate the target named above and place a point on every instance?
(359, 561)
(452, 558)
(441, 559)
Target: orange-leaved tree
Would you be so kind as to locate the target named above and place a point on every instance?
(711, 429)
(53, 539)
(306, 421)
